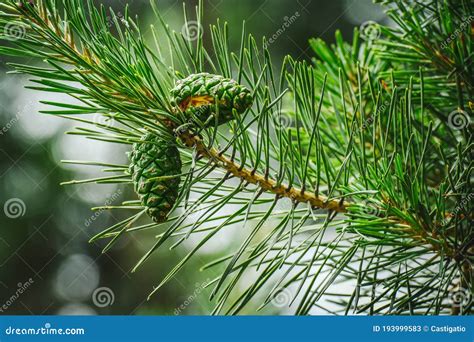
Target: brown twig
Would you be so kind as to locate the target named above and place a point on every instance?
(265, 183)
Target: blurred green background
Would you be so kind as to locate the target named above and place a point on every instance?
(47, 265)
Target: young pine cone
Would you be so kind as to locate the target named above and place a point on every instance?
(198, 95)
(154, 157)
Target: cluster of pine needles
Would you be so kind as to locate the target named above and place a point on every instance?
(349, 178)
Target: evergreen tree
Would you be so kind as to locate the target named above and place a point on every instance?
(350, 177)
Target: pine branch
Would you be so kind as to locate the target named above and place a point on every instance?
(91, 63)
(263, 182)
(358, 145)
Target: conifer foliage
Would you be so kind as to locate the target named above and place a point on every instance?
(349, 178)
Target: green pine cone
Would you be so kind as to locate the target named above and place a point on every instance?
(198, 94)
(155, 157)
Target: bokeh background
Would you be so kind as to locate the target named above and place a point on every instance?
(47, 265)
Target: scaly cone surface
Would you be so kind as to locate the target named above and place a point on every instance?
(155, 166)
